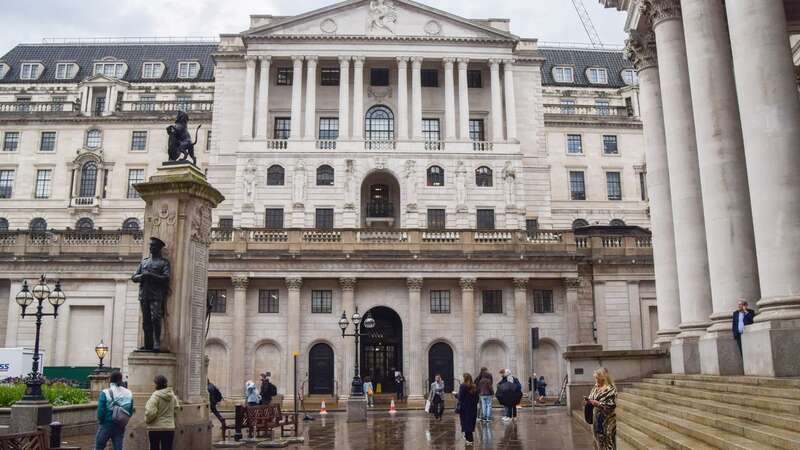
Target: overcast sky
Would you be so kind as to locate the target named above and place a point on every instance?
(31, 20)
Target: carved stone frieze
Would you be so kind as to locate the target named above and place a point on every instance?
(201, 225)
(640, 50)
(572, 283)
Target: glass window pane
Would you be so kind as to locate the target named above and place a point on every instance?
(436, 219)
(543, 302)
(574, 144)
(577, 186)
(430, 130)
(274, 218)
(440, 302)
(6, 183)
(477, 132)
(324, 218)
(492, 302)
(430, 78)
(283, 127)
(474, 79)
(325, 176)
(139, 141)
(321, 302)
(329, 76)
(483, 177)
(268, 301)
(11, 141)
(485, 219)
(48, 141)
(610, 145)
(94, 139)
(217, 301)
(435, 176)
(614, 185)
(43, 183)
(275, 175)
(88, 186)
(284, 76)
(135, 176)
(379, 124)
(329, 128)
(379, 77)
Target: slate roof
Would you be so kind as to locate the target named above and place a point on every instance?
(85, 55)
(613, 61)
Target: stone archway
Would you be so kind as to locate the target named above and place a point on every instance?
(380, 200)
(494, 356)
(320, 369)
(382, 351)
(440, 362)
(219, 368)
(267, 358)
(547, 363)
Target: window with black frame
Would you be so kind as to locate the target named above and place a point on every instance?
(379, 124)
(574, 144)
(492, 301)
(436, 219)
(88, 186)
(429, 78)
(324, 219)
(284, 76)
(435, 176)
(543, 302)
(217, 299)
(483, 177)
(477, 130)
(610, 145)
(440, 302)
(275, 175)
(531, 226)
(268, 301)
(614, 183)
(226, 223)
(325, 175)
(474, 79)
(329, 76)
(321, 302)
(84, 224)
(283, 128)
(431, 130)
(485, 219)
(38, 224)
(329, 128)
(379, 77)
(577, 185)
(48, 141)
(273, 219)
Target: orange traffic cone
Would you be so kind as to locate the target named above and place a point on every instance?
(392, 408)
(322, 409)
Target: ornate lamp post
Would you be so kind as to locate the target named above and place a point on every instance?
(25, 298)
(357, 389)
(101, 350)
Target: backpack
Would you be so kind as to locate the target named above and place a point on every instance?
(273, 391)
(119, 415)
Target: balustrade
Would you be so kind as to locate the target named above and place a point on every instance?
(380, 145)
(326, 144)
(482, 146)
(38, 107)
(84, 202)
(277, 144)
(589, 110)
(170, 106)
(434, 145)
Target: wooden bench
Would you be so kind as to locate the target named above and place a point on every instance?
(262, 420)
(37, 440)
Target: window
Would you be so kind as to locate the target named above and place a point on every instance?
(188, 69)
(151, 70)
(577, 185)
(325, 175)
(474, 79)
(579, 223)
(48, 141)
(492, 302)
(6, 183)
(131, 224)
(430, 130)
(139, 141)
(38, 224)
(208, 140)
(226, 223)
(563, 74)
(217, 301)
(94, 139)
(321, 302)
(440, 302)
(603, 107)
(379, 77)
(29, 71)
(135, 176)
(543, 302)
(88, 186)
(597, 75)
(617, 223)
(329, 76)
(531, 225)
(477, 131)
(113, 70)
(84, 224)
(574, 144)
(610, 145)
(435, 176)
(3, 224)
(483, 177)
(379, 124)
(4, 69)
(275, 175)
(11, 141)
(630, 77)
(324, 218)
(43, 183)
(430, 78)
(643, 185)
(268, 301)
(283, 127)
(614, 185)
(66, 71)
(485, 219)
(436, 219)
(328, 128)
(273, 219)
(568, 106)
(284, 76)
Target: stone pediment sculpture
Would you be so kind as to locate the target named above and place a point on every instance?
(382, 16)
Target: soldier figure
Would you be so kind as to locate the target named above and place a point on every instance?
(153, 276)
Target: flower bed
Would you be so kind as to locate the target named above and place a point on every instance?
(57, 392)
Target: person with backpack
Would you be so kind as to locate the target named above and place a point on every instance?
(214, 397)
(159, 415)
(509, 393)
(114, 408)
(268, 390)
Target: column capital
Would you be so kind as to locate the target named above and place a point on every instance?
(509, 63)
(294, 283)
(312, 59)
(467, 284)
(521, 284)
(265, 58)
(416, 61)
(572, 283)
(640, 50)
(347, 284)
(250, 59)
(358, 61)
(298, 59)
(494, 63)
(345, 59)
(660, 10)
(448, 62)
(403, 60)
(463, 63)
(414, 284)
(240, 281)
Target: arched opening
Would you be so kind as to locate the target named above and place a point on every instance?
(268, 359)
(617, 223)
(380, 200)
(547, 364)
(379, 124)
(84, 224)
(579, 223)
(320, 370)
(440, 362)
(275, 175)
(38, 225)
(3, 224)
(218, 366)
(88, 186)
(382, 350)
(494, 356)
(325, 175)
(130, 224)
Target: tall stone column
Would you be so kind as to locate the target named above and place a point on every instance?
(416, 98)
(297, 98)
(238, 347)
(522, 328)
(262, 105)
(497, 101)
(463, 99)
(732, 262)
(293, 285)
(511, 101)
(358, 97)
(641, 51)
(311, 98)
(468, 323)
(571, 286)
(344, 97)
(770, 113)
(402, 98)
(449, 100)
(249, 96)
(687, 204)
(415, 376)
(348, 286)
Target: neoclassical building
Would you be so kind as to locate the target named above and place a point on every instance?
(484, 197)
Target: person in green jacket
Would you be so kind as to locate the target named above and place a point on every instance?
(159, 415)
(106, 428)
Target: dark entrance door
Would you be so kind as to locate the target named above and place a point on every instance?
(320, 373)
(382, 350)
(440, 362)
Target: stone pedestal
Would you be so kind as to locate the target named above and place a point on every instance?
(27, 416)
(248, 219)
(770, 348)
(98, 381)
(298, 216)
(684, 354)
(412, 218)
(719, 354)
(349, 217)
(462, 218)
(357, 409)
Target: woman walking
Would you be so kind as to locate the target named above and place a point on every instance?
(468, 407)
(436, 396)
(159, 415)
(251, 394)
(369, 392)
(604, 400)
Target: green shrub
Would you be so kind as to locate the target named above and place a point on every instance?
(57, 394)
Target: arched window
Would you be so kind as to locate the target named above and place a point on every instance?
(579, 223)
(38, 224)
(617, 223)
(379, 124)
(94, 139)
(483, 177)
(3, 224)
(88, 186)
(325, 175)
(84, 224)
(435, 176)
(275, 175)
(130, 224)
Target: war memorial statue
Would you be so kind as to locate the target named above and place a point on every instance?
(153, 277)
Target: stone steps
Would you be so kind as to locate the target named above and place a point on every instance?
(792, 393)
(784, 383)
(630, 437)
(661, 435)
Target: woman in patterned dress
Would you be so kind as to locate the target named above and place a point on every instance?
(604, 399)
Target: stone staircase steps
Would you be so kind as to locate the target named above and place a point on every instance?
(661, 435)
(636, 439)
(792, 393)
(784, 383)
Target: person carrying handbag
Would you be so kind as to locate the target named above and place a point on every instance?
(114, 408)
(602, 405)
(436, 397)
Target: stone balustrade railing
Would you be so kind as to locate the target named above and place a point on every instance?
(593, 111)
(22, 107)
(380, 145)
(169, 106)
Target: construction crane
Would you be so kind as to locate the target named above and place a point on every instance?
(586, 20)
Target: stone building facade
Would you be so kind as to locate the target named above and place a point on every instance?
(471, 189)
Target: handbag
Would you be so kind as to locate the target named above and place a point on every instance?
(119, 415)
(428, 406)
(588, 413)
(458, 407)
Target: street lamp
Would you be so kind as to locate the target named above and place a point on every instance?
(24, 299)
(101, 350)
(357, 389)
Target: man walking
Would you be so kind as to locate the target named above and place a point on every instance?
(268, 390)
(742, 317)
(110, 399)
(486, 392)
(214, 397)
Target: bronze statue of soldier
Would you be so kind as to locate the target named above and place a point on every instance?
(153, 277)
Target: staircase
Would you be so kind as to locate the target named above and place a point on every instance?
(671, 411)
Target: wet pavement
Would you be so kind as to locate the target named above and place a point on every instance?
(544, 429)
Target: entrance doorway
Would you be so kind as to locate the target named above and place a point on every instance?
(380, 201)
(320, 370)
(382, 350)
(440, 361)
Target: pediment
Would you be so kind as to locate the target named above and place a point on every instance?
(101, 79)
(380, 19)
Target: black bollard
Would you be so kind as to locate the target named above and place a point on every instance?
(237, 434)
(55, 435)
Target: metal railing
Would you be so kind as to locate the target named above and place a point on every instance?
(380, 209)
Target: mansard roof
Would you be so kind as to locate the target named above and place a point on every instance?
(580, 60)
(85, 55)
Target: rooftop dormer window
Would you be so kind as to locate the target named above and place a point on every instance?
(152, 70)
(66, 71)
(563, 74)
(188, 69)
(112, 69)
(30, 71)
(597, 75)
(630, 77)
(4, 68)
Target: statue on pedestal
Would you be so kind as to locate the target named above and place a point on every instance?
(348, 184)
(510, 179)
(249, 182)
(180, 141)
(411, 185)
(461, 185)
(153, 277)
(299, 184)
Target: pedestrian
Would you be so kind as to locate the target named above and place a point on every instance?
(400, 382)
(742, 317)
(486, 392)
(369, 392)
(436, 396)
(541, 388)
(603, 399)
(115, 397)
(533, 389)
(214, 397)
(268, 390)
(509, 393)
(468, 407)
(251, 394)
(159, 415)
